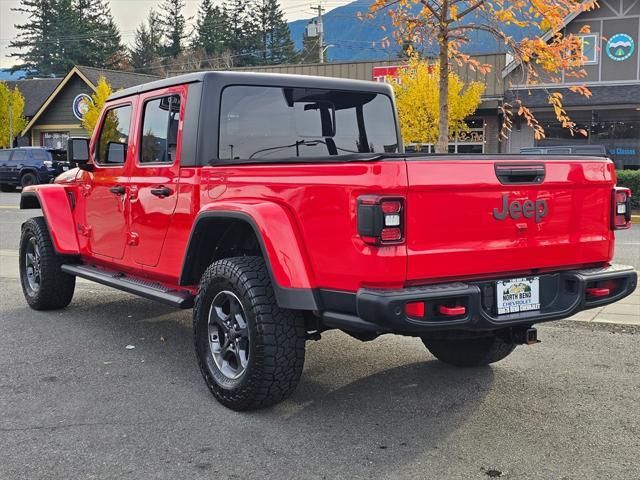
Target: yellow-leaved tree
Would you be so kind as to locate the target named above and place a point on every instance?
(416, 89)
(10, 120)
(99, 97)
(447, 27)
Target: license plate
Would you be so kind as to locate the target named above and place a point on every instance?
(518, 295)
(65, 168)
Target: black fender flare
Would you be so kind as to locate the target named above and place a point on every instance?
(290, 298)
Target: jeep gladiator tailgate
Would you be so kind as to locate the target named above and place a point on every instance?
(478, 216)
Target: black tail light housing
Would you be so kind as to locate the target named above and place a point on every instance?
(381, 219)
(621, 208)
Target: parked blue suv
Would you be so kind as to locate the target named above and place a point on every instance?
(29, 166)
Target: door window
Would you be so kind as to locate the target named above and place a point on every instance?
(18, 156)
(160, 130)
(114, 136)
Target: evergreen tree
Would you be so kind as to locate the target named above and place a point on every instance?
(98, 41)
(174, 23)
(243, 40)
(276, 44)
(211, 30)
(147, 44)
(37, 38)
(62, 33)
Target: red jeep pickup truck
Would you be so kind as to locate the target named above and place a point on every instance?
(279, 207)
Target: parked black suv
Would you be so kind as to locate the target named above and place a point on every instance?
(29, 166)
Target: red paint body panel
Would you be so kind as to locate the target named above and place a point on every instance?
(56, 208)
(451, 230)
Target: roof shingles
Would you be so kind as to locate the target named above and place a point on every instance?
(35, 92)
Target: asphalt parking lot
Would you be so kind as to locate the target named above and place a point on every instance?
(75, 403)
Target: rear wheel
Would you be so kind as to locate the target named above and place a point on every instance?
(7, 188)
(28, 179)
(44, 285)
(250, 351)
(469, 352)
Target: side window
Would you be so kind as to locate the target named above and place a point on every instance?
(18, 156)
(4, 155)
(160, 130)
(114, 136)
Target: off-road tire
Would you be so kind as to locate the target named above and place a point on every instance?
(28, 179)
(276, 336)
(4, 187)
(55, 287)
(469, 352)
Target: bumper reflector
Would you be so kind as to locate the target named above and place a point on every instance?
(452, 311)
(414, 309)
(598, 292)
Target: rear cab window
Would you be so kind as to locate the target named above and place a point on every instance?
(113, 140)
(258, 122)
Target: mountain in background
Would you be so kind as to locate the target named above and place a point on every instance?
(6, 75)
(356, 39)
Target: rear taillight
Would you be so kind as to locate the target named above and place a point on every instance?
(381, 219)
(621, 206)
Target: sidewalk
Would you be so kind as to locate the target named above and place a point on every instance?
(624, 312)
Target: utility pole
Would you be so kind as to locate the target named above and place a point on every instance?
(320, 34)
(10, 121)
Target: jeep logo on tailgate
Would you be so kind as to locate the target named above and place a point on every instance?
(515, 209)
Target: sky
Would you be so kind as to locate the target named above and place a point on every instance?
(129, 13)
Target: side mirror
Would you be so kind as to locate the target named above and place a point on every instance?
(78, 152)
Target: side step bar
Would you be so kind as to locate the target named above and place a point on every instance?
(137, 286)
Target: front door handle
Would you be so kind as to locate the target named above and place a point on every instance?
(161, 191)
(118, 190)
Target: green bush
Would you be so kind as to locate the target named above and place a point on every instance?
(630, 179)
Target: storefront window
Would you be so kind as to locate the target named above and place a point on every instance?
(621, 138)
(471, 141)
(56, 140)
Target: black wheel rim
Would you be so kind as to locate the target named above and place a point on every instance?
(32, 266)
(228, 335)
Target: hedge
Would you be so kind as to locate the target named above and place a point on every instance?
(630, 179)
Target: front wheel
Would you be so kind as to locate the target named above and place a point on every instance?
(28, 179)
(250, 351)
(469, 352)
(44, 285)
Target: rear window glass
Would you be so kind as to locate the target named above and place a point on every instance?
(41, 155)
(273, 122)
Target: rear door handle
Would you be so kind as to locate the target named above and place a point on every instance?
(161, 191)
(118, 190)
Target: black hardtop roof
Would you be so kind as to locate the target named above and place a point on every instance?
(261, 79)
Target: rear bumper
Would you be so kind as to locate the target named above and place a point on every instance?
(562, 295)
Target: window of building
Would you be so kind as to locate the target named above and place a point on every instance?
(160, 130)
(56, 140)
(114, 136)
(470, 141)
(590, 48)
(273, 122)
